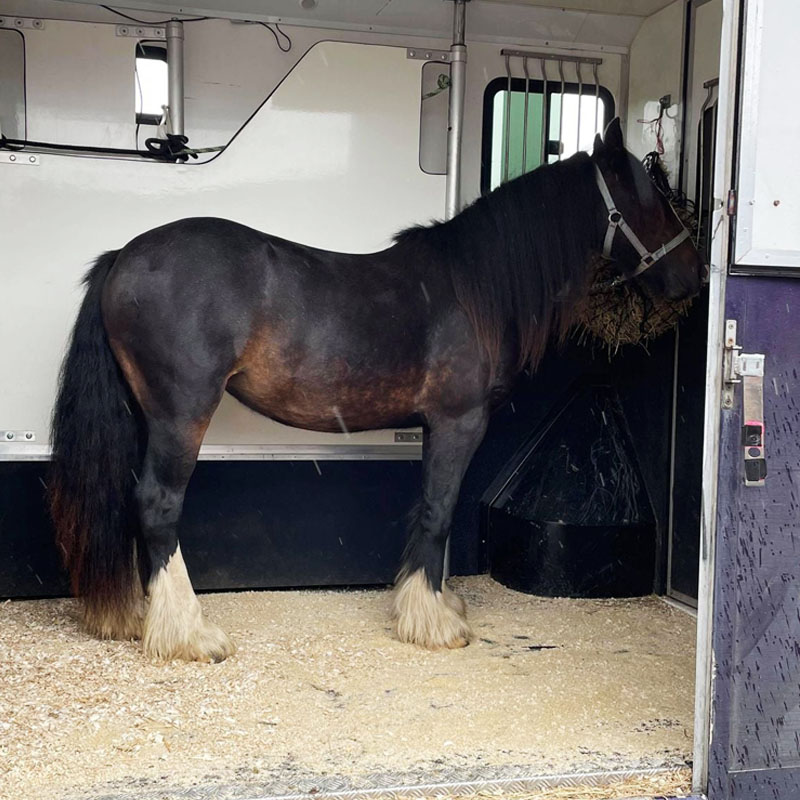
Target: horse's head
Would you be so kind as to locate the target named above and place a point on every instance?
(642, 233)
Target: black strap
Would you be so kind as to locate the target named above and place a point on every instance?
(173, 148)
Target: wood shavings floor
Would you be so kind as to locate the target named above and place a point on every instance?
(319, 688)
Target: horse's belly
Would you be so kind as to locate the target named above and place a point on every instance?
(333, 406)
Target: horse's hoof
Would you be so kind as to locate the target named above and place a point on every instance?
(211, 644)
(433, 620)
(206, 643)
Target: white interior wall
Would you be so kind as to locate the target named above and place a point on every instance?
(331, 160)
(230, 69)
(80, 91)
(655, 70)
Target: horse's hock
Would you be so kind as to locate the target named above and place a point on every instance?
(321, 697)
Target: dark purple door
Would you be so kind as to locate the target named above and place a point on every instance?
(755, 745)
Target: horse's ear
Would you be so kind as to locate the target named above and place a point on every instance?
(598, 145)
(612, 138)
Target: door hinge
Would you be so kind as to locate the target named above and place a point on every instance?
(730, 206)
(747, 369)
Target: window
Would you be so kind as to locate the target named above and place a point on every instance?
(151, 83)
(12, 84)
(433, 118)
(510, 147)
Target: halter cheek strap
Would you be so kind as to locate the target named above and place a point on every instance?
(617, 222)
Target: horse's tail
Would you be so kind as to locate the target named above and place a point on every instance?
(96, 435)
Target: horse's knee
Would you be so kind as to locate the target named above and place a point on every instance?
(430, 618)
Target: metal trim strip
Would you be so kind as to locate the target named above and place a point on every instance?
(257, 452)
(388, 787)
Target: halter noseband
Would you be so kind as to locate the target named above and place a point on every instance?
(617, 221)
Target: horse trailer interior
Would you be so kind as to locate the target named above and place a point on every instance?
(647, 648)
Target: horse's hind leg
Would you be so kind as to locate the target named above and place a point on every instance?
(174, 626)
(426, 612)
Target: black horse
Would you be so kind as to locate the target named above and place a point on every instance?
(431, 331)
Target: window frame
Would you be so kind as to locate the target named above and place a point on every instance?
(535, 86)
(156, 52)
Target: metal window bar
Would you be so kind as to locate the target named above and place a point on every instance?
(543, 58)
(596, 98)
(508, 119)
(525, 114)
(561, 112)
(580, 97)
(545, 132)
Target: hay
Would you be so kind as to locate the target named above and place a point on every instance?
(626, 314)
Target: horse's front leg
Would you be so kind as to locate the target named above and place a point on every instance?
(425, 611)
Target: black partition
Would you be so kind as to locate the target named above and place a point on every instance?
(246, 525)
(574, 518)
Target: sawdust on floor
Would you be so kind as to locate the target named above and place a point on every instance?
(320, 687)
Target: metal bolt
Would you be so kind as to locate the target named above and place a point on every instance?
(412, 53)
(29, 435)
(9, 434)
(32, 159)
(776, 203)
(37, 23)
(12, 157)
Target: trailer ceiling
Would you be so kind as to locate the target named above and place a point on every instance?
(635, 8)
(610, 23)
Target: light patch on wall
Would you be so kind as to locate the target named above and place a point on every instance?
(326, 141)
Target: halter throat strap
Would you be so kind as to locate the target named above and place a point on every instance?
(617, 222)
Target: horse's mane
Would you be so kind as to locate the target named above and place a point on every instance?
(518, 256)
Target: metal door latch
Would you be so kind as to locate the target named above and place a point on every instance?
(747, 369)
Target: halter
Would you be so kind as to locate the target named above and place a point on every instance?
(617, 222)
